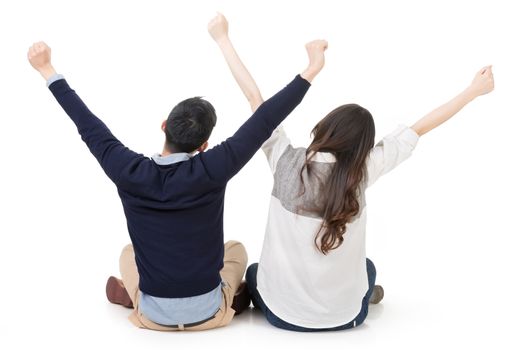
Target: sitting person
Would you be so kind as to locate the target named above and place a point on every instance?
(178, 273)
(313, 273)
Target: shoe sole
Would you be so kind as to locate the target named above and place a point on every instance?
(242, 299)
(117, 294)
(377, 294)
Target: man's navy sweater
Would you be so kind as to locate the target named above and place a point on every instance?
(174, 212)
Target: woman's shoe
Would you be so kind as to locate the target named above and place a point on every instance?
(377, 294)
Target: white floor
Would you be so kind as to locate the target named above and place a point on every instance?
(395, 324)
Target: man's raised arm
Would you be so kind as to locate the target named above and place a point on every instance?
(112, 155)
(226, 159)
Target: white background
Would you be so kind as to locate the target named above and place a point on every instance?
(439, 226)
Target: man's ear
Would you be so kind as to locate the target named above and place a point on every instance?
(203, 147)
(163, 126)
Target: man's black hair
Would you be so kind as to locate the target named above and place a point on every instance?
(189, 125)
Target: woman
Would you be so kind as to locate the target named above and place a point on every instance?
(313, 273)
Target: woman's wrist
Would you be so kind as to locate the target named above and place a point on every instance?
(470, 93)
(223, 40)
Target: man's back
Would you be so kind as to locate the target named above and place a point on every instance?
(175, 219)
(175, 212)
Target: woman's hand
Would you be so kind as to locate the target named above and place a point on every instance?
(218, 27)
(483, 82)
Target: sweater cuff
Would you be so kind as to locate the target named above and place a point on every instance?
(59, 87)
(302, 80)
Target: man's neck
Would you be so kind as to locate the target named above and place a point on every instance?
(165, 152)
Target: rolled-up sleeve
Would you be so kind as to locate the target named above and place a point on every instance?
(275, 146)
(390, 152)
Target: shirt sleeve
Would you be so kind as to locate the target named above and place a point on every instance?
(53, 79)
(275, 146)
(112, 155)
(390, 152)
(223, 161)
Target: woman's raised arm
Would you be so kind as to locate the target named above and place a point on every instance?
(481, 85)
(218, 29)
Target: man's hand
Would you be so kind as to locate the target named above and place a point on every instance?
(39, 56)
(482, 83)
(218, 27)
(315, 50)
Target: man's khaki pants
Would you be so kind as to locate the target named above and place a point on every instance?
(235, 261)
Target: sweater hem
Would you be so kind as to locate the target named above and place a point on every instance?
(183, 290)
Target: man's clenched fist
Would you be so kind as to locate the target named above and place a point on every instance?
(39, 56)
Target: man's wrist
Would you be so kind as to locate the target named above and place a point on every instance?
(310, 73)
(47, 72)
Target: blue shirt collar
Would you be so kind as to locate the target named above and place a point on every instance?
(171, 159)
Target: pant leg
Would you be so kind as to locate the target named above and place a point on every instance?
(251, 280)
(371, 275)
(129, 273)
(235, 262)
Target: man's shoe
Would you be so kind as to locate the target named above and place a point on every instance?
(241, 299)
(377, 294)
(116, 292)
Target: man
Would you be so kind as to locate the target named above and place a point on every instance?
(178, 274)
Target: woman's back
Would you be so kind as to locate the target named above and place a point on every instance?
(296, 280)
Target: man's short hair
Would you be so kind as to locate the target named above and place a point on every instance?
(189, 125)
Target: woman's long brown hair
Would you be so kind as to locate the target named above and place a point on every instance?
(348, 133)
